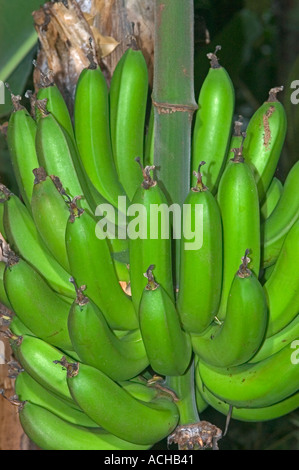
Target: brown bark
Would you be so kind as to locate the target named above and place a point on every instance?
(12, 436)
(68, 31)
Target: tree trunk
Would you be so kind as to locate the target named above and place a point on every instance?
(68, 30)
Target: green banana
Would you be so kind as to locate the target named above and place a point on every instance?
(114, 409)
(167, 345)
(141, 390)
(50, 213)
(200, 269)
(37, 357)
(282, 289)
(265, 136)
(92, 265)
(58, 154)
(242, 332)
(276, 342)
(240, 213)
(283, 217)
(201, 403)
(266, 413)
(151, 244)
(18, 328)
(213, 123)
(21, 134)
(128, 103)
(3, 295)
(40, 309)
(272, 197)
(55, 105)
(28, 389)
(91, 122)
(24, 239)
(97, 345)
(50, 432)
(253, 385)
(2, 230)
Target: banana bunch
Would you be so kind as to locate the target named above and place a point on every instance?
(105, 344)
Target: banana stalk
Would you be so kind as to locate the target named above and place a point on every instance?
(173, 99)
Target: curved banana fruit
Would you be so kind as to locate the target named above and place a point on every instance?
(279, 340)
(167, 345)
(92, 265)
(91, 122)
(40, 309)
(283, 217)
(253, 385)
(56, 105)
(272, 197)
(213, 122)
(265, 413)
(114, 409)
(38, 358)
(141, 390)
(242, 332)
(18, 328)
(58, 154)
(265, 136)
(240, 212)
(98, 346)
(21, 134)
(199, 294)
(151, 244)
(282, 289)
(3, 295)
(24, 239)
(28, 389)
(201, 403)
(50, 432)
(128, 102)
(50, 213)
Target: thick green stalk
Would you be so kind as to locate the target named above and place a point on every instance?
(184, 388)
(173, 98)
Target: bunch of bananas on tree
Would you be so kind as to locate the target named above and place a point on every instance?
(110, 352)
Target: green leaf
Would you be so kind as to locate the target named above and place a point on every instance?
(17, 33)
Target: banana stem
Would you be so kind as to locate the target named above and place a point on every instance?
(173, 100)
(191, 433)
(183, 386)
(199, 184)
